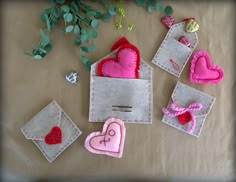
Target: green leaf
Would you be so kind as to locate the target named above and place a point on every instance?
(84, 38)
(84, 49)
(48, 11)
(74, 7)
(41, 32)
(56, 12)
(91, 13)
(88, 65)
(84, 59)
(94, 23)
(74, 18)
(45, 41)
(76, 30)
(151, 9)
(91, 48)
(42, 50)
(168, 10)
(112, 10)
(37, 57)
(93, 34)
(69, 28)
(159, 6)
(54, 19)
(60, 1)
(28, 54)
(48, 25)
(48, 48)
(106, 17)
(68, 17)
(140, 2)
(65, 9)
(77, 42)
(43, 17)
(84, 31)
(98, 15)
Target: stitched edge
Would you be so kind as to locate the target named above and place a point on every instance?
(162, 45)
(178, 85)
(78, 133)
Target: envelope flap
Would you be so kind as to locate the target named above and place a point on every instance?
(177, 30)
(41, 124)
(145, 68)
(184, 95)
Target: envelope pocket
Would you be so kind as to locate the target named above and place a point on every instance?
(127, 99)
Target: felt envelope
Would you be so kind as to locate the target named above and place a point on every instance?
(184, 95)
(41, 125)
(127, 99)
(173, 55)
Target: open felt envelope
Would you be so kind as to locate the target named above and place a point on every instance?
(127, 99)
(184, 95)
(173, 55)
(41, 125)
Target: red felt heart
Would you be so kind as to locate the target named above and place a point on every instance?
(184, 118)
(54, 136)
(167, 21)
(126, 64)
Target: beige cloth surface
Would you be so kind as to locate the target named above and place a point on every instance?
(150, 151)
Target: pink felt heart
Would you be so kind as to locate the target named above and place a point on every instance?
(167, 21)
(184, 40)
(202, 71)
(110, 141)
(125, 65)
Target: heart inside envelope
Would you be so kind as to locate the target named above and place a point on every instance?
(126, 64)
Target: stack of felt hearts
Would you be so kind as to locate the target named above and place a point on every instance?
(121, 86)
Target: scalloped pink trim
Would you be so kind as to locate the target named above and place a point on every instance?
(210, 66)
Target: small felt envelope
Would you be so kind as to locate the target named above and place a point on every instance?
(184, 96)
(127, 99)
(173, 55)
(42, 124)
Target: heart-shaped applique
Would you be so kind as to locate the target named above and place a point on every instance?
(125, 65)
(167, 21)
(184, 40)
(191, 26)
(54, 136)
(202, 71)
(110, 141)
(184, 118)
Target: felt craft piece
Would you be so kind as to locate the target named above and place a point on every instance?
(118, 43)
(202, 70)
(51, 130)
(54, 137)
(187, 99)
(184, 115)
(108, 142)
(172, 49)
(126, 64)
(167, 21)
(127, 99)
(184, 40)
(191, 26)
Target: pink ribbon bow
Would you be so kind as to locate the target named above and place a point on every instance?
(178, 110)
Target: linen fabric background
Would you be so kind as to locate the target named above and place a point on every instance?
(150, 151)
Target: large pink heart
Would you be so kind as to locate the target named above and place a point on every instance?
(110, 141)
(203, 71)
(126, 64)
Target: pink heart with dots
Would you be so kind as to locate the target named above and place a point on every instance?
(126, 64)
(110, 141)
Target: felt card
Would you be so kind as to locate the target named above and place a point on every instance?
(127, 99)
(188, 109)
(51, 130)
(175, 50)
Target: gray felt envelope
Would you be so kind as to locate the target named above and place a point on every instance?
(127, 99)
(42, 123)
(184, 95)
(172, 49)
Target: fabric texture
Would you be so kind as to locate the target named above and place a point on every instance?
(126, 64)
(202, 70)
(110, 141)
(51, 117)
(127, 99)
(184, 96)
(167, 21)
(172, 49)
